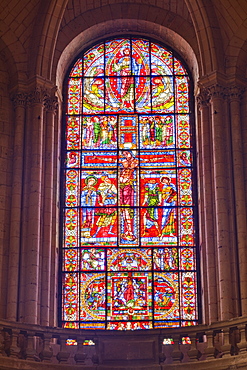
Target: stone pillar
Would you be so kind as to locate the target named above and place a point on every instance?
(244, 134)
(46, 286)
(239, 191)
(208, 209)
(33, 234)
(16, 207)
(56, 216)
(222, 201)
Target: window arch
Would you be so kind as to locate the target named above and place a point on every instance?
(129, 242)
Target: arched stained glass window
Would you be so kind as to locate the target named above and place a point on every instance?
(129, 244)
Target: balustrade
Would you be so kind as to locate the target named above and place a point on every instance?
(84, 348)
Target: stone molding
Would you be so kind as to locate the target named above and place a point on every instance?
(20, 99)
(235, 92)
(206, 94)
(217, 91)
(37, 96)
(202, 99)
(51, 103)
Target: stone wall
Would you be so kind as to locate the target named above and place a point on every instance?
(38, 42)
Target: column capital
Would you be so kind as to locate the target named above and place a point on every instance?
(235, 92)
(217, 91)
(20, 99)
(51, 103)
(37, 96)
(203, 98)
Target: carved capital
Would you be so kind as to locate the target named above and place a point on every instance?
(235, 92)
(20, 99)
(203, 99)
(217, 91)
(37, 96)
(51, 104)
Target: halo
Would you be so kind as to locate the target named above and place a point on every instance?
(91, 177)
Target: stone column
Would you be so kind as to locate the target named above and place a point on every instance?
(55, 219)
(50, 107)
(209, 228)
(222, 200)
(32, 248)
(239, 191)
(16, 207)
(244, 134)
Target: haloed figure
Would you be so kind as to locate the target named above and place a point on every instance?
(169, 194)
(107, 196)
(129, 163)
(88, 200)
(126, 82)
(152, 200)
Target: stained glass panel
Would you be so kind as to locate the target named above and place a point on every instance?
(140, 57)
(129, 230)
(73, 133)
(129, 296)
(162, 94)
(93, 95)
(77, 69)
(93, 61)
(74, 96)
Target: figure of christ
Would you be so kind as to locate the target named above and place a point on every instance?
(129, 163)
(126, 83)
(169, 194)
(88, 200)
(152, 199)
(107, 196)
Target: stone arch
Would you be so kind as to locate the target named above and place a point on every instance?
(209, 41)
(94, 33)
(45, 34)
(98, 21)
(194, 28)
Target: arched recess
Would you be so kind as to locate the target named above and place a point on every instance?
(154, 21)
(145, 28)
(70, 42)
(53, 37)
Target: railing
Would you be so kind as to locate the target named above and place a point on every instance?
(92, 348)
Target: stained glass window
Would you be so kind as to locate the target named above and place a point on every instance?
(129, 241)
